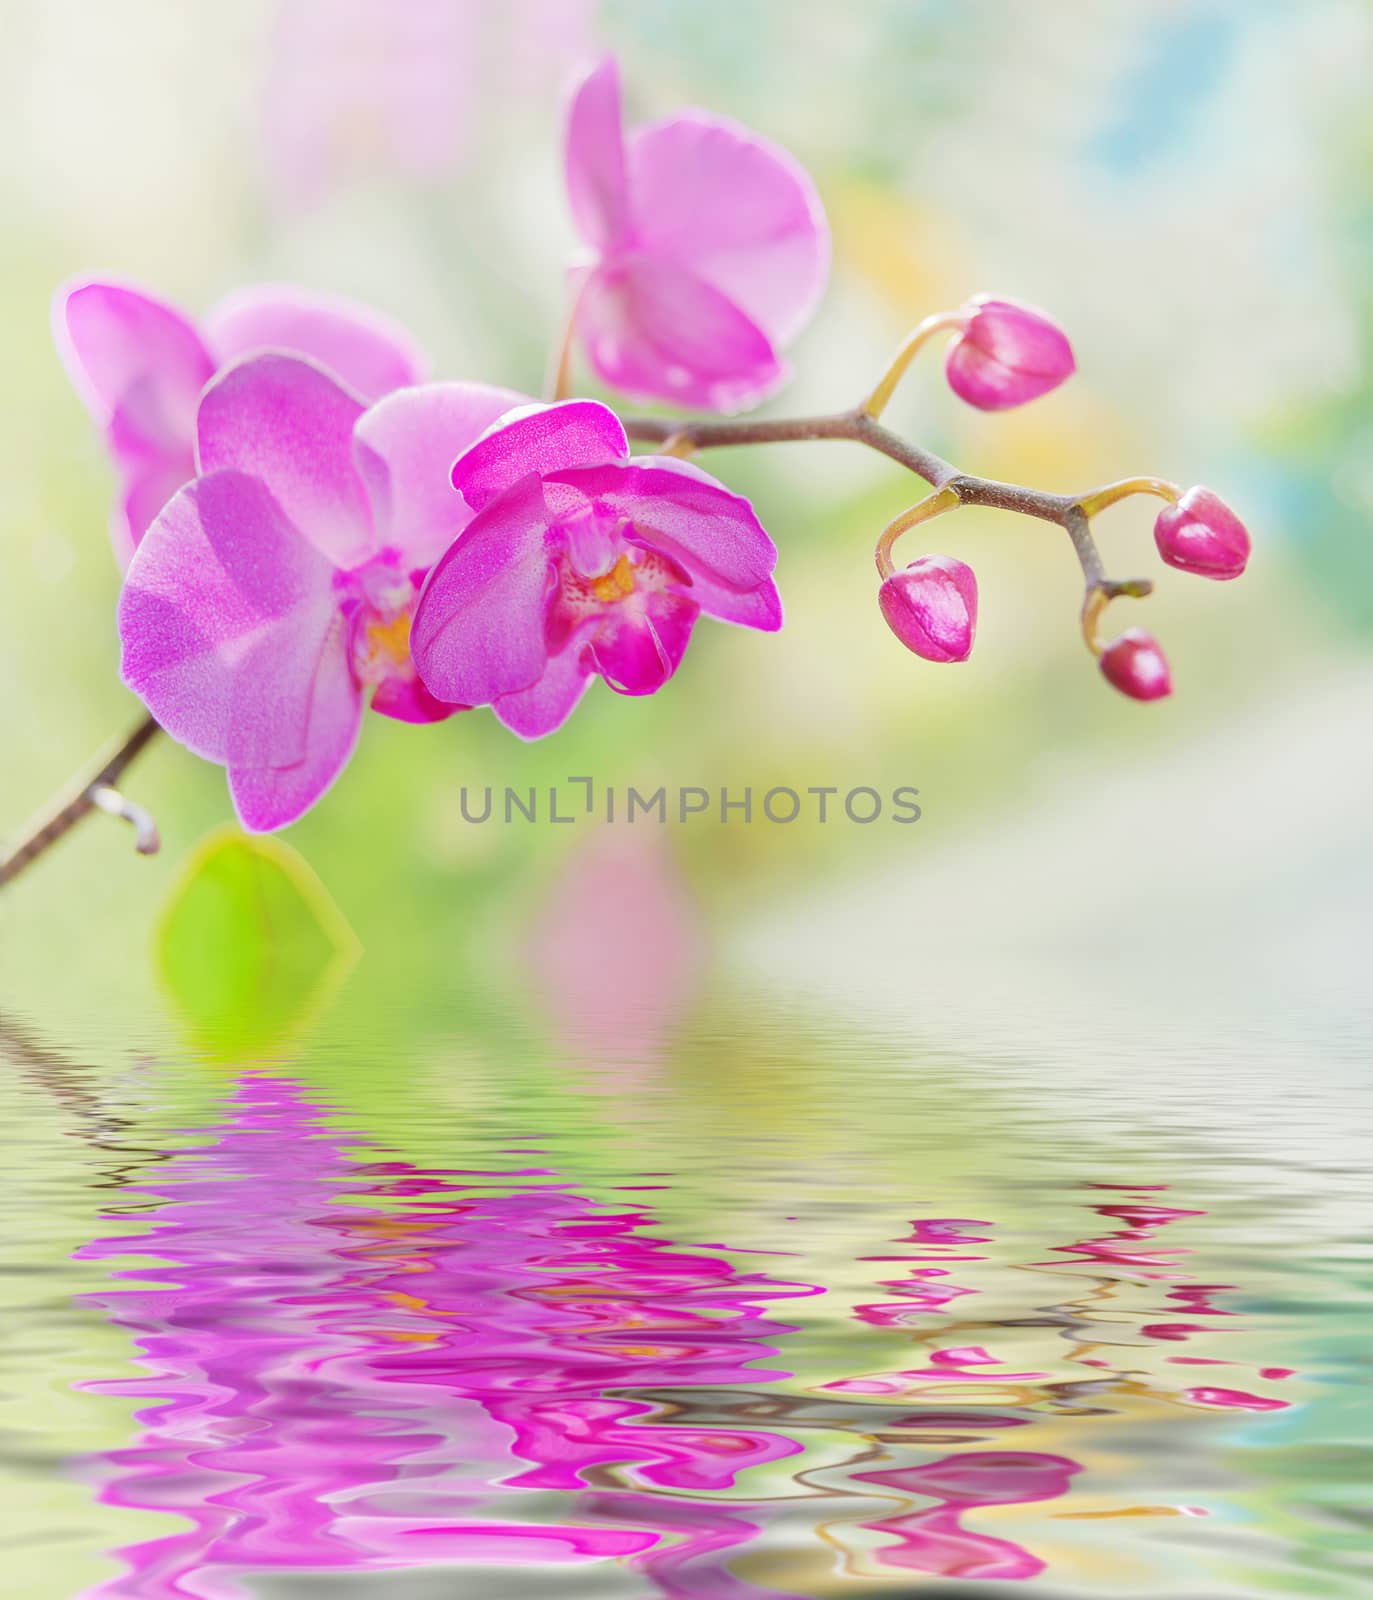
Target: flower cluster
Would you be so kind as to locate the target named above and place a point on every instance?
(308, 526)
(1002, 355)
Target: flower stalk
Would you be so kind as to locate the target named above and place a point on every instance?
(914, 342)
(93, 791)
(933, 505)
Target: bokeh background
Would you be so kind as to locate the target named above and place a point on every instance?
(1151, 901)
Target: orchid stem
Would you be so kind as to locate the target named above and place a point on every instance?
(1112, 493)
(558, 379)
(932, 505)
(914, 342)
(860, 426)
(93, 791)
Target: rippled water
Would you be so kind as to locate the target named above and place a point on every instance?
(764, 1308)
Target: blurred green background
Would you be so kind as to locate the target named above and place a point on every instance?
(1184, 185)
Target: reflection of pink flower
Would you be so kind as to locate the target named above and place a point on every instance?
(936, 1541)
(278, 586)
(617, 946)
(333, 1386)
(580, 561)
(140, 366)
(711, 251)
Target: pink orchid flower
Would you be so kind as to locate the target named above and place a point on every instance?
(140, 366)
(711, 251)
(580, 561)
(279, 584)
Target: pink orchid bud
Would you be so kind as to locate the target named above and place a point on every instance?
(932, 607)
(1136, 666)
(1202, 534)
(1006, 354)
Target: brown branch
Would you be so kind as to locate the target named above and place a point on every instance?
(91, 791)
(859, 427)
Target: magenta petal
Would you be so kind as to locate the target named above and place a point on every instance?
(224, 618)
(136, 362)
(290, 424)
(737, 211)
(539, 439)
(759, 608)
(407, 700)
(595, 158)
(370, 353)
(656, 330)
(478, 631)
(677, 508)
(548, 703)
(637, 648)
(405, 447)
(271, 797)
(149, 489)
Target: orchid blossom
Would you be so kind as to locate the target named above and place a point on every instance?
(277, 586)
(454, 546)
(710, 246)
(580, 561)
(140, 366)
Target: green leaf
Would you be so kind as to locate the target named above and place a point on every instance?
(251, 945)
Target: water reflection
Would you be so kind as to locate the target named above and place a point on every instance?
(349, 1361)
(358, 1363)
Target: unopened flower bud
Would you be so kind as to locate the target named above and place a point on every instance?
(1007, 354)
(931, 607)
(1136, 666)
(1202, 534)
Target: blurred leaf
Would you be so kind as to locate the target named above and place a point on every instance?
(251, 945)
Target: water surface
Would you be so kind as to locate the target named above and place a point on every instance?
(752, 1306)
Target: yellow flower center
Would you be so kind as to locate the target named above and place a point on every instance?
(389, 642)
(617, 584)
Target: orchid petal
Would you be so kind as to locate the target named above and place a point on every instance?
(677, 508)
(407, 700)
(595, 158)
(656, 330)
(271, 797)
(137, 363)
(479, 626)
(548, 703)
(370, 353)
(737, 211)
(290, 424)
(149, 489)
(637, 649)
(224, 618)
(404, 448)
(759, 607)
(538, 439)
